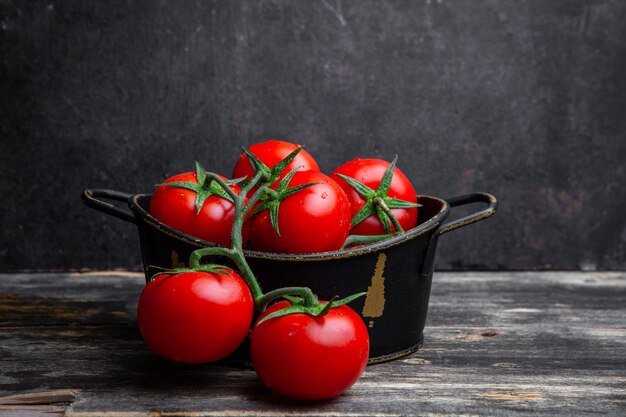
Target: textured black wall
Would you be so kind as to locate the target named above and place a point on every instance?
(523, 99)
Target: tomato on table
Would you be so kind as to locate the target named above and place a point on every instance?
(305, 357)
(195, 317)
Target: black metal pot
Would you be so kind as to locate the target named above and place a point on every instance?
(396, 273)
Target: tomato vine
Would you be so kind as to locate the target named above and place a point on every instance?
(303, 299)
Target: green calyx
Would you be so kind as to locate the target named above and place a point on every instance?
(209, 268)
(206, 187)
(300, 306)
(270, 175)
(272, 198)
(378, 202)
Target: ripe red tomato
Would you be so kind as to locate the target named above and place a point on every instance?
(315, 219)
(176, 207)
(310, 358)
(195, 317)
(272, 152)
(370, 173)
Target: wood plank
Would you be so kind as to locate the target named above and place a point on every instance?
(51, 410)
(57, 299)
(37, 404)
(40, 397)
(495, 344)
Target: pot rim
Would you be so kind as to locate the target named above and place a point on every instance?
(432, 223)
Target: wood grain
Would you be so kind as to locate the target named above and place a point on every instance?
(496, 344)
(37, 404)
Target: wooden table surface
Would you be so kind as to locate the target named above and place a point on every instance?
(498, 343)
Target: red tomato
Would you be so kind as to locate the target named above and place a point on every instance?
(176, 207)
(195, 317)
(315, 219)
(310, 358)
(272, 152)
(370, 172)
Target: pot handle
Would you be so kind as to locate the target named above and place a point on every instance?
(90, 199)
(477, 216)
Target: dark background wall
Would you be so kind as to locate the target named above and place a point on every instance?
(523, 99)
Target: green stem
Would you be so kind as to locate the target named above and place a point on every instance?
(241, 211)
(310, 299)
(197, 255)
(381, 203)
(250, 279)
(250, 185)
(235, 255)
(353, 240)
(222, 184)
(235, 252)
(256, 197)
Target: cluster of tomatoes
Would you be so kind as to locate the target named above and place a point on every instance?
(316, 219)
(301, 347)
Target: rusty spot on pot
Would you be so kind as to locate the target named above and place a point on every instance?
(176, 262)
(375, 299)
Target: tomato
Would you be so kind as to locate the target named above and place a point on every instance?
(195, 317)
(370, 173)
(310, 358)
(176, 207)
(315, 219)
(272, 152)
